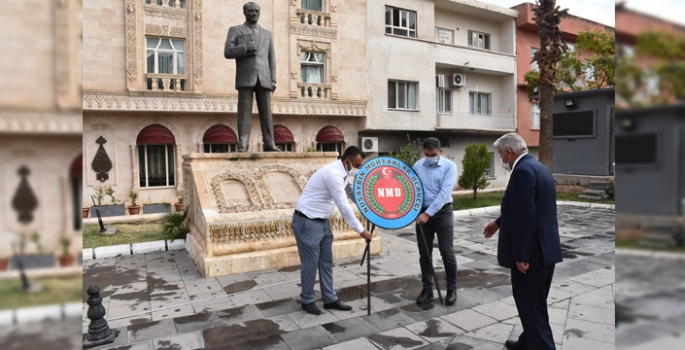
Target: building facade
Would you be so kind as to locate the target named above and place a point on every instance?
(156, 86)
(527, 43)
(444, 68)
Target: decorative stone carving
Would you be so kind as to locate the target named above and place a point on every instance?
(253, 201)
(101, 163)
(131, 41)
(321, 32)
(24, 201)
(41, 121)
(198, 69)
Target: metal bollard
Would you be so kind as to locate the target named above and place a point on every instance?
(98, 330)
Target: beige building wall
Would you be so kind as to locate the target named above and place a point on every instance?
(118, 104)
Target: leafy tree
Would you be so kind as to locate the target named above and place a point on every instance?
(475, 162)
(552, 48)
(409, 153)
(669, 49)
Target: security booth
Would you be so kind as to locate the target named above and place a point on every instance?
(650, 161)
(583, 133)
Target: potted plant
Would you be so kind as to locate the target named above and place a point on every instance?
(65, 259)
(114, 209)
(85, 212)
(179, 204)
(134, 208)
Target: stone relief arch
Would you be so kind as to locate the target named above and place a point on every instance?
(251, 196)
(281, 186)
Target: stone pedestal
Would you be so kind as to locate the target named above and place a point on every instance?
(241, 207)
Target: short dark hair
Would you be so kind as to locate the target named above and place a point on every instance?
(250, 4)
(352, 152)
(431, 143)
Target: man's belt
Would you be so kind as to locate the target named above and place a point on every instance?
(299, 213)
(447, 205)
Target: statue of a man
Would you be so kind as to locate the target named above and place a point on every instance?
(252, 47)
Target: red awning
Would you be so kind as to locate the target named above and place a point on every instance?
(76, 168)
(155, 134)
(220, 134)
(282, 134)
(330, 134)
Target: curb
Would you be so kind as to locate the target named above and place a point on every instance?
(495, 208)
(650, 254)
(39, 313)
(132, 249)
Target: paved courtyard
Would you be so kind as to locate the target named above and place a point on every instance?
(651, 302)
(160, 301)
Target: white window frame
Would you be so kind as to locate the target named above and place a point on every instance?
(231, 147)
(166, 164)
(321, 5)
(482, 40)
(305, 61)
(477, 108)
(444, 101)
(337, 145)
(408, 103)
(405, 15)
(440, 35)
(285, 146)
(156, 51)
(534, 64)
(535, 116)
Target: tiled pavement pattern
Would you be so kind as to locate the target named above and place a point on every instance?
(160, 301)
(650, 303)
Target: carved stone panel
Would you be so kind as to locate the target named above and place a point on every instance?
(24, 201)
(235, 193)
(282, 187)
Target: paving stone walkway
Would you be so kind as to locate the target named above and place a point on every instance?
(160, 301)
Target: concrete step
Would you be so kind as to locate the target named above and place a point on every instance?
(663, 237)
(601, 185)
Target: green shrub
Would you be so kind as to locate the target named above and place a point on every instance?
(173, 225)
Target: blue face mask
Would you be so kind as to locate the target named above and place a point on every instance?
(431, 161)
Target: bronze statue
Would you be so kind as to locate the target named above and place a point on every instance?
(252, 47)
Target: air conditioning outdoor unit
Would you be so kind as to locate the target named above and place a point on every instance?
(440, 81)
(457, 79)
(369, 144)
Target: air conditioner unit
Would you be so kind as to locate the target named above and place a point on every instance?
(369, 144)
(440, 81)
(457, 79)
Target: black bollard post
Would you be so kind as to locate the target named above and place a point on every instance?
(98, 330)
(97, 212)
(24, 280)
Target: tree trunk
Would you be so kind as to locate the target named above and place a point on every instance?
(547, 93)
(475, 190)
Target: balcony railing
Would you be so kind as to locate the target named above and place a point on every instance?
(314, 18)
(466, 121)
(178, 4)
(165, 82)
(310, 90)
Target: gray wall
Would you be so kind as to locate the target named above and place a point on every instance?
(586, 155)
(657, 188)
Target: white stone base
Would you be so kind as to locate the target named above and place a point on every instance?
(111, 251)
(148, 247)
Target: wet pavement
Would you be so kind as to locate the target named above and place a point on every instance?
(160, 301)
(651, 303)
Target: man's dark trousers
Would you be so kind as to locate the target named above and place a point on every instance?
(263, 97)
(442, 225)
(530, 294)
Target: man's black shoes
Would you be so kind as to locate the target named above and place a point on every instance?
(514, 345)
(311, 308)
(451, 297)
(425, 296)
(337, 305)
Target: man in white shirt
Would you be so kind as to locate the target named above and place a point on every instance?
(312, 227)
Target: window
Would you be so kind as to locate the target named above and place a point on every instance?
(444, 36)
(401, 95)
(285, 146)
(172, 3)
(219, 139)
(534, 64)
(283, 138)
(312, 5)
(330, 147)
(165, 56)
(589, 71)
(574, 124)
(479, 40)
(653, 82)
(156, 164)
(219, 147)
(480, 103)
(156, 157)
(571, 47)
(636, 149)
(400, 22)
(490, 171)
(312, 67)
(444, 101)
(535, 116)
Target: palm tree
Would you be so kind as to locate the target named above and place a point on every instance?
(552, 48)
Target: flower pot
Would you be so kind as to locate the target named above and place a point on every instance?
(134, 210)
(178, 206)
(4, 264)
(84, 212)
(67, 260)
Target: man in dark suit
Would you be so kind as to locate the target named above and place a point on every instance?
(529, 239)
(253, 50)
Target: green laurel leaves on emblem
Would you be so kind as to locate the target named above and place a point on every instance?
(377, 207)
(407, 193)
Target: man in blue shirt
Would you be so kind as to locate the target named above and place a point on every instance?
(439, 176)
